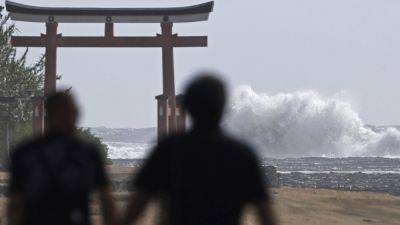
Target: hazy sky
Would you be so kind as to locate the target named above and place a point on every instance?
(273, 46)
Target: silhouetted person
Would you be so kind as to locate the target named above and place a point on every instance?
(53, 176)
(202, 177)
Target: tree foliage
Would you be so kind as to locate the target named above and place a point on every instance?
(88, 136)
(17, 79)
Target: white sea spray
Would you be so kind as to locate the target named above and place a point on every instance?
(304, 123)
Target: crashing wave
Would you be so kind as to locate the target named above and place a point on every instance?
(304, 124)
(125, 150)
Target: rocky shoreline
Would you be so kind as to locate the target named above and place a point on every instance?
(381, 183)
(321, 173)
(377, 182)
(386, 182)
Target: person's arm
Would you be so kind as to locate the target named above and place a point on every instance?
(15, 209)
(266, 213)
(153, 178)
(107, 206)
(258, 193)
(137, 204)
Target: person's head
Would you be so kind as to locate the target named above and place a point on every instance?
(61, 112)
(204, 99)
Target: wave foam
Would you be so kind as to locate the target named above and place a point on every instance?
(304, 123)
(125, 150)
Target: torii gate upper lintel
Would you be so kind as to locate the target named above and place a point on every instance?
(170, 114)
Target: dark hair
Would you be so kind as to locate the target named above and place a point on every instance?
(205, 99)
(57, 104)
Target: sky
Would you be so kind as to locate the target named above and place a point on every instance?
(341, 46)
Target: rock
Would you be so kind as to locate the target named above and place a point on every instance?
(271, 176)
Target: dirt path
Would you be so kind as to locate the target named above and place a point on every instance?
(294, 206)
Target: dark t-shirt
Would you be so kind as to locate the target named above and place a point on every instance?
(55, 176)
(206, 178)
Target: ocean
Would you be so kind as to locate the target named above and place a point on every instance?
(133, 154)
(322, 133)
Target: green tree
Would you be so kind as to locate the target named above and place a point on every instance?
(20, 79)
(88, 136)
(17, 79)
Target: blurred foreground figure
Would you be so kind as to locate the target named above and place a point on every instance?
(53, 176)
(202, 177)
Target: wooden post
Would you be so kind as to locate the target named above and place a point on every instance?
(50, 80)
(5, 140)
(8, 141)
(162, 116)
(180, 114)
(51, 59)
(168, 74)
(109, 30)
(38, 116)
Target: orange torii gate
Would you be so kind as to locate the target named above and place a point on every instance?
(171, 117)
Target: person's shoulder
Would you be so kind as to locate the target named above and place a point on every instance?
(170, 143)
(236, 143)
(243, 149)
(172, 139)
(86, 149)
(84, 145)
(27, 146)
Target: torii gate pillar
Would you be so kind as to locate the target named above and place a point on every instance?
(37, 116)
(50, 79)
(164, 115)
(51, 59)
(169, 76)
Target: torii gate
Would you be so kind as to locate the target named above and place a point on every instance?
(171, 117)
